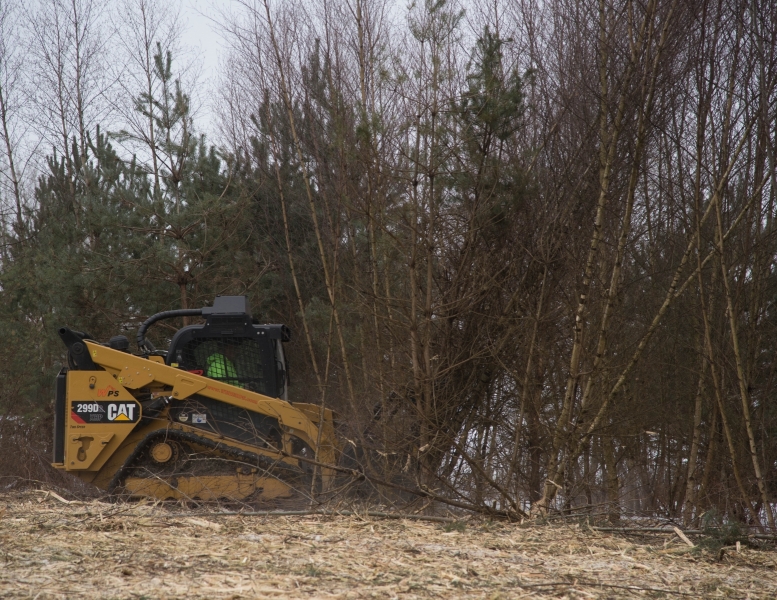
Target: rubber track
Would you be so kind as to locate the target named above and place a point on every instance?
(263, 462)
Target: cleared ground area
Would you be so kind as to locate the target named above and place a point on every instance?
(53, 549)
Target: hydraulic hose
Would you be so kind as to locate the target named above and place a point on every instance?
(143, 343)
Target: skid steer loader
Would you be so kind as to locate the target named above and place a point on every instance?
(207, 419)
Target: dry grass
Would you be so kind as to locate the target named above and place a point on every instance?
(50, 549)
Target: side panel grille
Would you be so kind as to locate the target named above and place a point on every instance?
(228, 420)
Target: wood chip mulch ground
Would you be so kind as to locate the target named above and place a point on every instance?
(53, 549)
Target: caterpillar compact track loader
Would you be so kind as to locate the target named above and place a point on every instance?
(208, 419)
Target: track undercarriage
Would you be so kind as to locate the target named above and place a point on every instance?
(176, 466)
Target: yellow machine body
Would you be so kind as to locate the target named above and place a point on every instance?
(108, 414)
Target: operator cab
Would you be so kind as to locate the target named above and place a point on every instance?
(229, 347)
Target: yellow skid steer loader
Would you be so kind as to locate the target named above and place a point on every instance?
(208, 419)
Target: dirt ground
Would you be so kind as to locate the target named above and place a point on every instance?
(53, 549)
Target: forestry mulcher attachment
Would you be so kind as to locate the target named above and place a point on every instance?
(207, 419)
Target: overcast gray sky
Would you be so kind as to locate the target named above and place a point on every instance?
(201, 34)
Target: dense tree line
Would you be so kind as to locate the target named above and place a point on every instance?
(527, 249)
